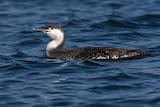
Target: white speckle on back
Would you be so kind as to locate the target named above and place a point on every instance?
(115, 57)
(101, 57)
(124, 56)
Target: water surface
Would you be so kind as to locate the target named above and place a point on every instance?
(29, 79)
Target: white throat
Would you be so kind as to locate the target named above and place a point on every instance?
(57, 37)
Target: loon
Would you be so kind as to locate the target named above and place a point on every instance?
(55, 50)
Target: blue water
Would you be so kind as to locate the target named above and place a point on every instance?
(29, 79)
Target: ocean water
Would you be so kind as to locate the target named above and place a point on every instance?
(29, 79)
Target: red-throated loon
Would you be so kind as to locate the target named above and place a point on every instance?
(55, 49)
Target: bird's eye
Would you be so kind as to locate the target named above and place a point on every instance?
(51, 28)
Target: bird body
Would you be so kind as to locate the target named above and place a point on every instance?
(95, 53)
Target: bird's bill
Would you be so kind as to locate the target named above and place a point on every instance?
(38, 29)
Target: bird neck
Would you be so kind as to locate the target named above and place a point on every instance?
(55, 44)
(57, 40)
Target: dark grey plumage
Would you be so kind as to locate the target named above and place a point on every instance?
(99, 53)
